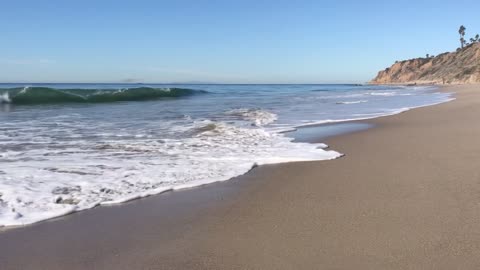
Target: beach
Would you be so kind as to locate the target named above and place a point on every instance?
(406, 195)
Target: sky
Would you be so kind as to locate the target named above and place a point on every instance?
(270, 41)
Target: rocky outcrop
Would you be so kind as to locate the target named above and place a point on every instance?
(459, 67)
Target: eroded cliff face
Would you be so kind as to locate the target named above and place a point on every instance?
(459, 67)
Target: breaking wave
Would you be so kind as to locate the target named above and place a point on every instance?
(257, 117)
(46, 95)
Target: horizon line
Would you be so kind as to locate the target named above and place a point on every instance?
(185, 83)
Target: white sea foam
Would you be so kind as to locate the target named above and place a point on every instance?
(387, 94)
(352, 102)
(4, 98)
(82, 175)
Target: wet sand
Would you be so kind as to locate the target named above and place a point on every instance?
(405, 196)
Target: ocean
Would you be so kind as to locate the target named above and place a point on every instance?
(70, 147)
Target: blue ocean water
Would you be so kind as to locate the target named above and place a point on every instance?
(68, 147)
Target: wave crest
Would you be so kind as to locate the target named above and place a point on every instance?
(351, 102)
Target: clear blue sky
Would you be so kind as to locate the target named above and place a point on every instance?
(244, 41)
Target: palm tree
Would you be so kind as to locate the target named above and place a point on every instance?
(477, 38)
(461, 31)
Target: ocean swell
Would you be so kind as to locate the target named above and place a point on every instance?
(46, 95)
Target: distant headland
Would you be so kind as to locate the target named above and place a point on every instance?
(459, 67)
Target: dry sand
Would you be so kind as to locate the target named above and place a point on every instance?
(405, 196)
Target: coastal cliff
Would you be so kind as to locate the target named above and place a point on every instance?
(460, 67)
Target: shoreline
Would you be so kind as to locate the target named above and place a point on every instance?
(314, 133)
(254, 216)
